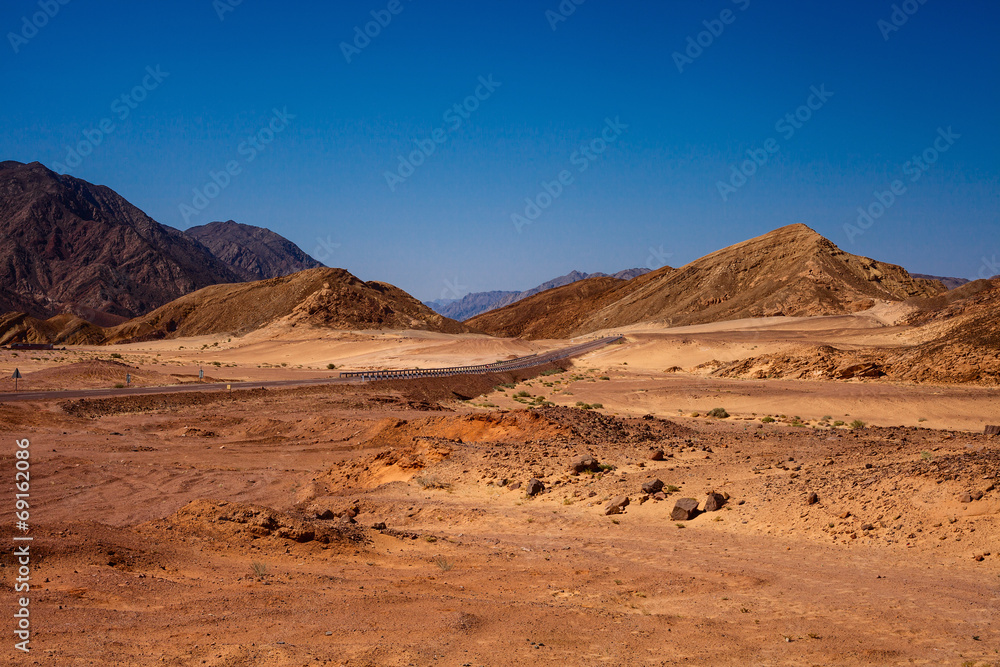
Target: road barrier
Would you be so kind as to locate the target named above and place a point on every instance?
(495, 367)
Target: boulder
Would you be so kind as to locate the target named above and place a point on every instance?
(714, 502)
(812, 498)
(656, 455)
(616, 505)
(534, 487)
(652, 486)
(685, 509)
(585, 463)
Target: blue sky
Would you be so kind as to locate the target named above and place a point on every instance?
(201, 95)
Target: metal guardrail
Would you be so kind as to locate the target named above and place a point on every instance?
(495, 367)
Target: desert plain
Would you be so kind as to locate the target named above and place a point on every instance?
(853, 521)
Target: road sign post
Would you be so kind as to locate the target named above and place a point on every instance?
(16, 376)
(128, 379)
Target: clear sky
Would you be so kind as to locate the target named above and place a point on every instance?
(164, 95)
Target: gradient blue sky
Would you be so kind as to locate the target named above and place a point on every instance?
(322, 179)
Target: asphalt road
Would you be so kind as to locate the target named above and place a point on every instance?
(9, 397)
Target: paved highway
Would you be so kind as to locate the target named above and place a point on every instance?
(345, 377)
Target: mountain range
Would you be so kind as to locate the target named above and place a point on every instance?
(80, 264)
(69, 246)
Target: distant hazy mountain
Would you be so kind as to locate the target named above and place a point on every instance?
(253, 253)
(477, 303)
(950, 283)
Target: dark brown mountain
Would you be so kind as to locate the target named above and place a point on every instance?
(67, 245)
(253, 253)
(790, 271)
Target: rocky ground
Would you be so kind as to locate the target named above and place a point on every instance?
(400, 524)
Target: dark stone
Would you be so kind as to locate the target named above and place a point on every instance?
(378, 526)
(812, 498)
(659, 496)
(585, 463)
(652, 486)
(965, 497)
(325, 515)
(714, 502)
(656, 455)
(514, 486)
(685, 509)
(616, 505)
(534, 487)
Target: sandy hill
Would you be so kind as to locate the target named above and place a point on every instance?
(69, 245)
(60, 329)
(327, 298)
(253, 253)
(790, 271)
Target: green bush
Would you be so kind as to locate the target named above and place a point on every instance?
(768, 420)
(857, 423)
(115, 355)
(719, 413)
(330, 367)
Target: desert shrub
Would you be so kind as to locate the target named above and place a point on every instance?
(120, 385)
(443, 563)
(604, 377)
(259, 569)
(431, 482)
(597, 405)
(670, 488)
(768, 420)
(522, 394)
(115, 355)
(719, 413)
(857, 423)
(838, 423)
(330, 367)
